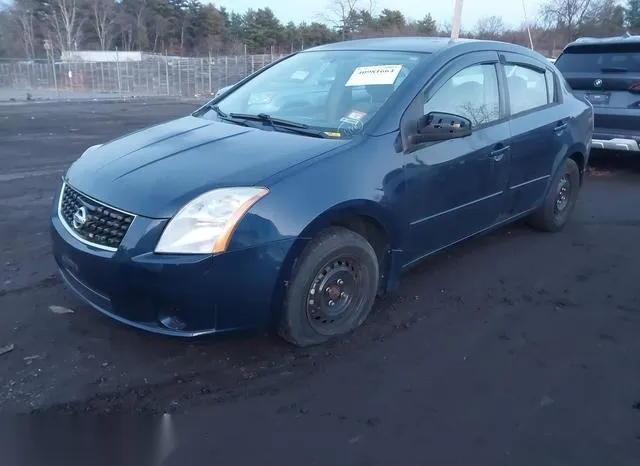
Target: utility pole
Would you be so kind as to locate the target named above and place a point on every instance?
(526, 20)
(457, 19)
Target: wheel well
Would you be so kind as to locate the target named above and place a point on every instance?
(371, 230)
(365, 226)
(578, 158)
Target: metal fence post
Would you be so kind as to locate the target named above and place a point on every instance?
(118, 73)
(179, 77)
(55, 78)
(101, 86)
(210, 87)
(166, 68)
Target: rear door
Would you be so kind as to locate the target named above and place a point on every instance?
(608, 75)
(539, 129)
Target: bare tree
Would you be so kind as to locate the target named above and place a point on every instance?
(141, 28)
(568, 16)
(103, 13)
(66, 22)
(24, 15)
(490, 27)
(160, 29)
(342, 15)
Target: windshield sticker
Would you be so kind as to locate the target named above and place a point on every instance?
(333, 134)
(356, 115)
(374, 75)
(350, 126)
(300, 75)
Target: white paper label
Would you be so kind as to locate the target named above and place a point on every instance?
(374, 75)
(300, 75)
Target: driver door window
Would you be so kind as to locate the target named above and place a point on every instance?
(471, 93)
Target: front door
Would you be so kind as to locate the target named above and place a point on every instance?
(457, 187)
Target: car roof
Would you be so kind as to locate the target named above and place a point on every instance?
(423, 45)
(614, 40)
(408, 44)
(396, 44)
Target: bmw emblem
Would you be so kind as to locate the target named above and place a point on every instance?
(79, 218)
(597, 83)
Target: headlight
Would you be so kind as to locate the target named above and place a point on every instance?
(205, 224)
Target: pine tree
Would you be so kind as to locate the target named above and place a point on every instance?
(633, 14)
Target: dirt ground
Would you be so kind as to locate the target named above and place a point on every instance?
(516, 348)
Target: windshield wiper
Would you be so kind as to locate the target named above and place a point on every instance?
(613, 69)
(224, 116)
(277, 123)
(268, 119)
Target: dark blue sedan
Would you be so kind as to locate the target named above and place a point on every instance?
(275, 208)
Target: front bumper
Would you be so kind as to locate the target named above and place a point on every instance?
(174, 295)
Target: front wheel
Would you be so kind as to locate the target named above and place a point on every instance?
(561, 199)
(332, 289)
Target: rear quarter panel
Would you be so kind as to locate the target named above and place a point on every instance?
(580, 118)
(581, 127)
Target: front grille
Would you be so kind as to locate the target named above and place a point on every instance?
(92, 221)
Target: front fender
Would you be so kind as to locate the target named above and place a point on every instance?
(366, 181)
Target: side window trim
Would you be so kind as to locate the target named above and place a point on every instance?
(517, 59)
(551, 86)
(454, 66)
(414, 109)
(436, 84)
(544, 71)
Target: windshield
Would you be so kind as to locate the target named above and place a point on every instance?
(594, 59)
(335, 91)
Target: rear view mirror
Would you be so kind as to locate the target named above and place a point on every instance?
(437, 126)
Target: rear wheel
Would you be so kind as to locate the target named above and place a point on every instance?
(333, 288)
(561, 199)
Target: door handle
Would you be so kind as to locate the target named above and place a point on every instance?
(561, 127)
(498, 154)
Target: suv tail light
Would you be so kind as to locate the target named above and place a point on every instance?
(635, 87)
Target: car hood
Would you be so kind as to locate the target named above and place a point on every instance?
(155, 171)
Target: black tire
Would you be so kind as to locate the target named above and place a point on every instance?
(556, 209)
(339, 266)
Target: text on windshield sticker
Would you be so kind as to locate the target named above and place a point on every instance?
(374, 75)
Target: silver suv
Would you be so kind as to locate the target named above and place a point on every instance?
(606, 72)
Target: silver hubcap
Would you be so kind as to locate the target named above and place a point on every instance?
(564, 192)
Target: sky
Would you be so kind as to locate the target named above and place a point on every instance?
(297, 11)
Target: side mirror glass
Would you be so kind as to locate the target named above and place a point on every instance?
(437, 126)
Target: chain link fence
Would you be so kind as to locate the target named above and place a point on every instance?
(154, 75)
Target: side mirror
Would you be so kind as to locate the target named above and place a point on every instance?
(221, 91)
(437, 126)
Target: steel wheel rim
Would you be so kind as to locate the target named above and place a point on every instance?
(564, 194)
(336, 292)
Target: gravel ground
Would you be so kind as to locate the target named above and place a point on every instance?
(514, 348)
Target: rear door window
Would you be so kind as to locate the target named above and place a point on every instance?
(528, 89)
